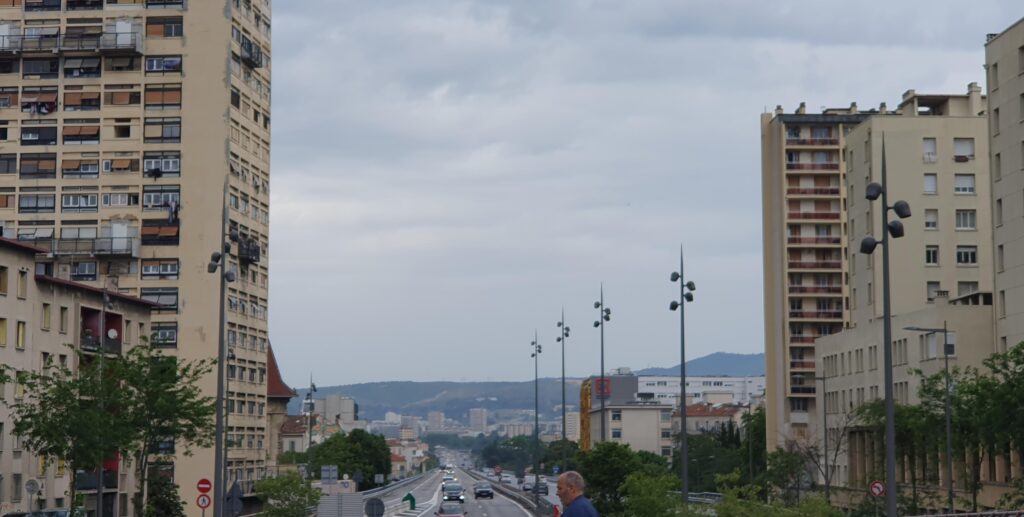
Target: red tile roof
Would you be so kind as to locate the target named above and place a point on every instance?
(397, 458)
(294, 424)
(97, 290)
(276, 388)
(708, 410)
(20, 246)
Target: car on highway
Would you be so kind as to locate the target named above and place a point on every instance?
(448, 478)
(453, 492)
(527, 486)
(541, 488)
(483, 489)
(450, 510)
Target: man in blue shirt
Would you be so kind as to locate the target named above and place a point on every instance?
(570, 492)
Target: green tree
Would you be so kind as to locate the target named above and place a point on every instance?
(785, 472)
(70, 416)
(164, 406)
(355, 452)
(563, 454)
(650, 495)
(286, 496)
(163, 500)
(604, 468)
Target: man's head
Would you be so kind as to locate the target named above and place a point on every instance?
(570, 486)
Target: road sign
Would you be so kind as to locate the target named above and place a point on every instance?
(877, 488)
(554, 470)
(329, 474)
(203, 501)
(374, 507)
(32, 486)
(204, 486)
(412, 500)
(378, 478)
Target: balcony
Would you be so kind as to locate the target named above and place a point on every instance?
(812, 166)
(802, 339)
(42, 5)
(89, 336)
(812, 191)
(90, 343)
(815, 264)
(811, 141)
(816, 289)
(801, 365)
(816, 315)
(114, 43)
(85, 5)
(832, 216)
(802, 390)
(252, 56)
(107, 246)
(87, 480)
(825, 239)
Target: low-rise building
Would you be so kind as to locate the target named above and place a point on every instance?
(644, 426)
(709, 418)
(703, 389)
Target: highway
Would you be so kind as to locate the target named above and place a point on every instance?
(428, 497)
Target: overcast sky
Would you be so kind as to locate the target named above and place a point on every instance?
(447, 175)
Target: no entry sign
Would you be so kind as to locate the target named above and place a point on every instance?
(203, 486)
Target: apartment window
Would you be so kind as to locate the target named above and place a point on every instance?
(122, 98)
(9, 66)
(931, 183)
(966, 288)
(39, 135)
(79, 202)
(798, 405)
(966, 220)
(16, 486)
(1002, 304)
(81, 67)
(36, 203)
(963, 149)
(166, 298)
(37, 100)
(932, 288)
(931, 255)
(120, 199)
(81, 101)
(83, 271)
(931, 219)
(47, 316)
(995, 121)
(616, 433)
(63, 320)
(157, 232)
(967, 255)
(3, 279)
(38, 166)
(122, 64)
(163, 96)
(121, 165)
(993, 76)
(160, 268)
(40, 68)
(162, 164)
(9, 97)
(8, 163)
(963, 183)
(997, 162)
(159, 197)
(616, 415)
(163, 130)
(163, 64)
(164, 27)
(21, 336)
(164, 334)
(77, 135)
(929, 148)
(3, 343)
(999, 257)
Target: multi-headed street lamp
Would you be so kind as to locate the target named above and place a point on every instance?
(686, 289)
(564, 331)
(947, 350)
(535, 346)
(894, 230)
(604, 315)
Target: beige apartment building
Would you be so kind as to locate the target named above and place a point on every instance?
(643, 426)
(1004, 60)
(803, 173)
(126, 127)
(39, 317)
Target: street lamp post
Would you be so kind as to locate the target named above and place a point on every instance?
(946, 352)
(824, 431)
(604, 315)
(218, 261)
(894, 230)
(535, 345)
(686, 289)
(562, 339)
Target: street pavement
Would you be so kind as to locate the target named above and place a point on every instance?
(428, 497)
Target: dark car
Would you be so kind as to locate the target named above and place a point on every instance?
(483, 490)
(541, 488)
(450, 510)
(453, 492)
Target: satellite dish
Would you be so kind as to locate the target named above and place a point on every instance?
(112, 333)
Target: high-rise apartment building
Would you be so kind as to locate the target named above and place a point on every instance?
(127, 129)
(1004, 60)
(478, 419)
(803, 203)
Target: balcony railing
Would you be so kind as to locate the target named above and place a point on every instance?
(813, 191)
(815, 264)
(812, 141)
(113, 246)
(802, 339)
(814, 215)
(802, 390)
(812, 166)
(826, 239)
(818, 315)
(816, 289)
(127, 42)
(91, 343)
(805, 365)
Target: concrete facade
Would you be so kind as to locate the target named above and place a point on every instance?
(39, 318)
(642, 426)
(713, 390)
(478, 419)
(126, 121)
(1004, 62)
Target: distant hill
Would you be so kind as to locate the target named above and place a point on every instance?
(456, 398)
(718, 363)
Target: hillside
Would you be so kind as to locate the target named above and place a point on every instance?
(718, 363)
